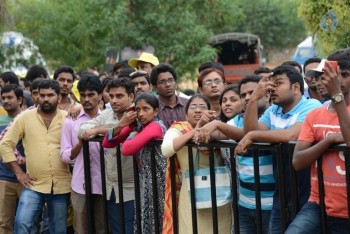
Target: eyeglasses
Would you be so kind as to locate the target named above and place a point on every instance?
(200, 106)
(210, 82)
(164, 82)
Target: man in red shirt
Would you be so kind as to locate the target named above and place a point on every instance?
(322, 128)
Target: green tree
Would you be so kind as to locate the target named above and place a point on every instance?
(274, 21)
(312, 13)
(70, 32)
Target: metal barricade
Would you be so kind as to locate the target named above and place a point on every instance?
(283, 154)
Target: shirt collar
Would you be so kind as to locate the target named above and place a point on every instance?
(179, 101)
(291, 112)
(82, 112)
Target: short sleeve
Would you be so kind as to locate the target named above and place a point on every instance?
(266, 117)
(306, 133)
(310, 105)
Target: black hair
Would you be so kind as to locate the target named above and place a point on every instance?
(27, 100)
(126, 72)
(120, 64)
(26, 82)
(231, 87)
(65, 69)
(13, 87)
(189, 92)
(161, 68)
(125, 83)
(249, 78)
(293, 75)
(211, 64)
(90, 82)
(262, 70)
(36, 71)
(149, 98)
(106, 82)
(139, 74)
(311, 60)
(343, 58)
(35, 84)
(48, 83)
(293, 64)
(197, 95)
(10, 77)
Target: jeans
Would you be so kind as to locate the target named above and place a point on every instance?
(31, 204)
(114, 218)
(308, 220)
(248, 220)
(275, 218)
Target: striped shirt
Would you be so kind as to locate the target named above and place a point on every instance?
(245, 170)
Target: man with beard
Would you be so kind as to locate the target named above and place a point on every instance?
(171, 106)
(10, 189)
(89, 87)
(311, 91)
(121, 97)
(47, 178)
(280, 123)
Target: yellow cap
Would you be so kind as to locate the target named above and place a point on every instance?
(75, 90)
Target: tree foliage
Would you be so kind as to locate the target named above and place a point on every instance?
(313, 11)
(274, 21)
(79, 32)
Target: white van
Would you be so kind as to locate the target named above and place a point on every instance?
(304, 51)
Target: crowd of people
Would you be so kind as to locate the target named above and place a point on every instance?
(44, 121)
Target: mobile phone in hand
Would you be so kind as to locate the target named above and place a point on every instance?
(131, 108)
(334, 65)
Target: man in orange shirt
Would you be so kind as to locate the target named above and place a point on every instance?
(322, 128)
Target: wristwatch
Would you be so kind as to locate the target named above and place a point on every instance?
(337, 98)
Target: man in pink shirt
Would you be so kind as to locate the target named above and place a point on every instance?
(71, 152)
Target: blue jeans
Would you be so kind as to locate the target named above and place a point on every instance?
(31, 204)
(275, 218)
(248, 220)
(308, 220)
(114, 218)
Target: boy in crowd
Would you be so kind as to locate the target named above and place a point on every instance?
(89, 87)
(322, 128)
(280, 123)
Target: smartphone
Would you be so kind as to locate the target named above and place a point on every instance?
(334, 65)
(131, 108)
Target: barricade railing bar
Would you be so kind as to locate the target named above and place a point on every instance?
(287, 185)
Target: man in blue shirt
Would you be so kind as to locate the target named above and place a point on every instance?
(280, 123)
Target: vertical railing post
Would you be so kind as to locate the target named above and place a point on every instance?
(173, 195)
(88, 190)
(257, 190)
(213, 190)
(234, 191)
(103, 183)
(192, 191)
(294, 181)
(281, 187)
(321, 194)
(120, 190)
